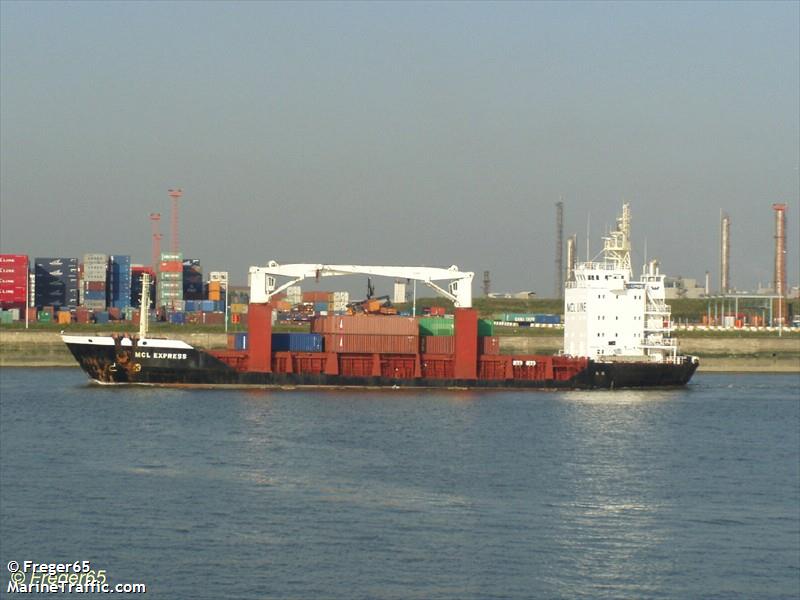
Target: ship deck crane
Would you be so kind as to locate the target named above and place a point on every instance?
(263, 285)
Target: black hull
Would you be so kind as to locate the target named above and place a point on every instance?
(108, 364)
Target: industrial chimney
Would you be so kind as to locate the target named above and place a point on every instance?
(725, 253)
(559, 249)
(780, 249)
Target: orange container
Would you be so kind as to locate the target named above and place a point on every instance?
(64, 317)
(371, 343)
(366, 324)
(315, 296)
(437, 344)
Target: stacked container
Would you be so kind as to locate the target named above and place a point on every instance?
(446, 326)
(93, 281)
(217, 285)
(294, 295)
(192, 279)
(13, 281)
(296, 342)
(368, 334)
(56, 282)
(337, 302)
(119, 281)
(170, 281)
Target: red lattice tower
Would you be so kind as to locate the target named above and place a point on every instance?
(154, 219)
(174, 194)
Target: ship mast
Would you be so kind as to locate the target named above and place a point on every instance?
(617, 245)
(144, 305)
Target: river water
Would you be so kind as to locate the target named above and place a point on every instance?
(688, 493)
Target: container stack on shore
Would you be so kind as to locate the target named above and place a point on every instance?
(119, 281)
(56, 283)
(170, 281)
(14, 282)
(94, 281)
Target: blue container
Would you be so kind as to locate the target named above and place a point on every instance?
(192, 305)
(87, 295)
(207, 305)
(177, 318)
(320, 306)
(296, 342)
(240, 341)
(101, 317)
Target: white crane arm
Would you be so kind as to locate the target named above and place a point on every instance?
(263, 284)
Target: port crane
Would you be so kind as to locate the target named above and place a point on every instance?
(263, 283)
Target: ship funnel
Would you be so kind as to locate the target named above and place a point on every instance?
(652, 267)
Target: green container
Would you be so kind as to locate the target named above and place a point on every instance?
(436, 326)
(485, 327)
(444, 326)
(6, 317)
(44, 317)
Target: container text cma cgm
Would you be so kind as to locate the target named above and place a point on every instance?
(617, 333)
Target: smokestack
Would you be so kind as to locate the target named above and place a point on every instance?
(725, 253)
(572, 256)
(708, 284)
(779, 278)
(559, 249)
(175, 245)
(487, 284)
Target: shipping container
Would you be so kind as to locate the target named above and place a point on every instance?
(177, 318)
(94, 304)
(172, 257)
(437, 344)
(365, 324)
(541, 319)
(6, 317)
(213, 318)
(64, 317)
(167, 266)
(296, 342)
(371, 343)
(13, 294)
(436, 326)
(18, 260)
(485, 327)
(315, 296)
(489, 345)
(237, 341)
(44, 316)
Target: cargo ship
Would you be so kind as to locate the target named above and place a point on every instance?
(617, 334)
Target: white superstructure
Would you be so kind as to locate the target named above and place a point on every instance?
(607, 316)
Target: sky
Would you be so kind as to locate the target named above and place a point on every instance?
(402, 133)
